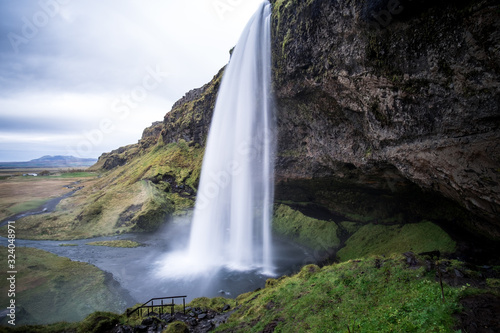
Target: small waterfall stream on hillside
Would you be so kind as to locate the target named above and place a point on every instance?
(231, 222)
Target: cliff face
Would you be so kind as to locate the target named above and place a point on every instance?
(122, 155)
(387, 111)
(380, 95)
(190, 116)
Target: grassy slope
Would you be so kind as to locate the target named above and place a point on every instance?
(376, 294)
(51, 288)
(132, 197)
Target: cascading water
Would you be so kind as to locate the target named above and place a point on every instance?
(231, 223)
(232, 216)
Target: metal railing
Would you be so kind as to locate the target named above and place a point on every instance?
(160, 304)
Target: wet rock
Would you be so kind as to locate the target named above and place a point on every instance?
(431, 254)
(192, 322)
(150, 321)
(141, 328)
(167, 318)
(226, 307)
(411, 260)
(205, 326)
(123, 329)
(202, 316)
(458, 273)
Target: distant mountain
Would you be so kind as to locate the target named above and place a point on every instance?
(48, 161)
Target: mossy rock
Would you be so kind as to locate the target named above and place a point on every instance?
(308, 231)
(99, 322)
(215, 304)
(307, 271)
(376, 239)
(176, 327)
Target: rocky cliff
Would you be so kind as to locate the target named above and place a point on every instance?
(384, 95)
(387, 111)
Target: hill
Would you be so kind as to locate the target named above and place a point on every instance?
(50, 162)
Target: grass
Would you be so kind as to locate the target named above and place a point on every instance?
(215, 304)
(368, 295)
(314, 233)
(50, 288)
(28, 205)
(374, 239)
(116, 243)
(81, 174)
(18, 194)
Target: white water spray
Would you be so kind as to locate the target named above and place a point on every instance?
(232, 217)
(231, 224)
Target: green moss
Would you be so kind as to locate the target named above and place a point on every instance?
(350, 227)
(181, 203)
(176, 327)
(286, 40)
(493, 283)
(116, 243)
(215, 304)
(374, 239)
(99, 322)
(368, 295)
(314, 233)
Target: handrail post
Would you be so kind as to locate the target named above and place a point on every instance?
(172, 308)
(184, 304)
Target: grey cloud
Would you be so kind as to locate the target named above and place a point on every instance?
(39, 125)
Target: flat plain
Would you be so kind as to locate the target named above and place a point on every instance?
(20, 193)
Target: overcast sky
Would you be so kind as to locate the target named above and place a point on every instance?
(83, 77)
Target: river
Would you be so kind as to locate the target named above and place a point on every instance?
(136, 268)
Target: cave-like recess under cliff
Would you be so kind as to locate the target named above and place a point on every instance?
(387, 111)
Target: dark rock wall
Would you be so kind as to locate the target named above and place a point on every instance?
(368, 87)
(190, 117)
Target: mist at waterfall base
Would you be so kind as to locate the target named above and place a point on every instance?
(231, 226)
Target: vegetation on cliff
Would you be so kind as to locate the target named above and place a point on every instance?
(137, 196)
(378, 294)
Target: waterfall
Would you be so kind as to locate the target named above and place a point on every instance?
(232, 216)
